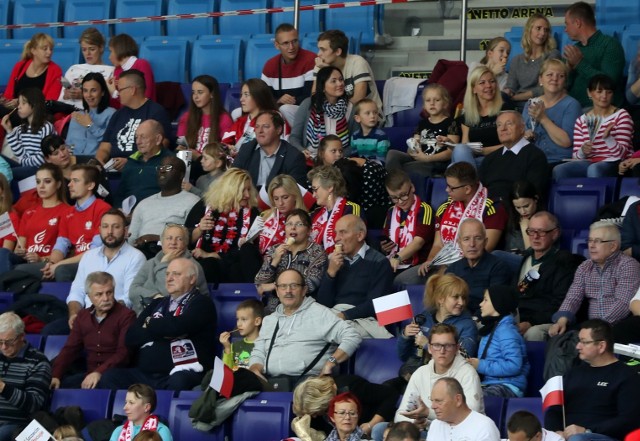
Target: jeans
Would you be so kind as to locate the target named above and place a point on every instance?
(463, 153)
(590, 437)
(8, 260)
(581, 169)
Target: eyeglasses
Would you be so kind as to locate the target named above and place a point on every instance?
(588, 342)
(164, 168)
(447, 346)
(9, 342)
(598, 241)
(120, 89)
(450, 188)
(344, 413)
(288, 285)
(401, 197)
(294, 224)
(540, 233)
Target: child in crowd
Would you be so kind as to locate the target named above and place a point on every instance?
(249, 314)
(428, 156)
(496, 56)
(215, 161)
(369, 142)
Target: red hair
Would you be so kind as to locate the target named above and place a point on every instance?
(343, 398)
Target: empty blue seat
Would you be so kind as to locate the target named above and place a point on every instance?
(579, 246)
(422, 185)
(530, 404)
(629, 187)
(196, 26)
(180, 422)
(95, 403)
(576, 205)
(376, 360)
(35, 340)
(398, 136)
(361, 20)
(77, 10)
(494, 408)
(227, 298)
(35, 11)
(438, 193)
(310, 21)
(53, 345)
(66, 53)
(232, 98)
(270, 411)
(310, 42)
(609, 184)
(58, 289)
(167, 56)
(228, 49)
(251, 23)
(6, 299)
(139, 8)
(536, 356)
(259, 49)
(4, 18)
(162, 409)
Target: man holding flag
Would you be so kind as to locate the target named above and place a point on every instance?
(600, 396)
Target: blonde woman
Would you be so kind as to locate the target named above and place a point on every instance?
(219, 224)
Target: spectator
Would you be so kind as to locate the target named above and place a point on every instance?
(92, 47)
(26, 375)
(139, 175)
(123, 54)
(408, 228)
(215, 160)
(98, 334)
(627, 330)
(87, 128)
(402, 431)
(602, 136)
(119, 139)
(432, 156)
(343, 412)
(268, 155)
(329, 189)
(206, 120)
(612, 408)
(477, 267)
(174, 336)
(503, 361)
(8, 241)
(249, 316)
(607, 281)
(551, 117)
(538, 45)
(56, 151)
(333, 50)
(593, 53)
(525, 425)
(631, 231)
(367, 140)
(356, 275)
(518, 159)
(140, 402)
(541, 296)
(289, 74)
(115, 256)
(524, 201)
(170, 206)
(455, 420)
(150, 282)
(495, 58)
(219, 225)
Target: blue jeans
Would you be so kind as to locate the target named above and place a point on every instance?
(8, 260)
(6, 431)
(581, 169)
(462, 153)
(498, 390)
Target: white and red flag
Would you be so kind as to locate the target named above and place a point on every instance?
(222, 378)
(393, 308)
(552, 393)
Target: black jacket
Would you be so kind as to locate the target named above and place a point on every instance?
(289, 161)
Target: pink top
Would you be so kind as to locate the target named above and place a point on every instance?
(616, 146)
(224, 122)
(144, 67)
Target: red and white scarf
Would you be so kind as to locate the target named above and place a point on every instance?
(323, 229)
(273, 231)
(151, 423)
(403, 233)
(456, 212)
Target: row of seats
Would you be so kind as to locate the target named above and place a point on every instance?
(358, 20)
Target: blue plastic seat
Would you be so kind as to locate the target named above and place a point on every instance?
(227, 298)
(410, 117)
(270, 411)
(66, 53)
(310, 21)
(6, 299)
(53, 345)
(196, 26)
(95, 403)
(422, 185)
(617, 12)
(576, 205)
(376, 360)
(355, 39)
(167, 56)
(180, 423)
(251, 23)
(232, 98)
(35, 11)
(361, 20)
(139, 8)
(536, 356)
(514, 36)
(630, 40)
(77, 10)
(4, 18)
(579, 246)
(58, 289)
(494, 408)
(162, 409)
(228, 49)
(629, 187)
(530, 404)
(610, 185)
(438, 193)
(35, 340)
(259, 49)
(310, 42)
(398, 136)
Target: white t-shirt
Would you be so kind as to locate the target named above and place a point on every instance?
(475, 427)
(76, 73)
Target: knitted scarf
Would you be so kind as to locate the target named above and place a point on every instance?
(316, 125)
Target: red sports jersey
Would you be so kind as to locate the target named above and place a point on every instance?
(40, 227)
(80, 226)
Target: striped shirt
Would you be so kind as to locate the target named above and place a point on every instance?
(26, 144)
(616, 146)
(27, 377)
(608, 290)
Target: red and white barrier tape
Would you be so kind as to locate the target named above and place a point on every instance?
(108, 21)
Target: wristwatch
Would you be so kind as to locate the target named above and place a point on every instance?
(333, 360)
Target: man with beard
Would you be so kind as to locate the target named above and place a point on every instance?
(115, 257)
(98, 332)
(170, 206)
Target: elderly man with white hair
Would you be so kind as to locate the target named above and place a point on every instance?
(607, 280)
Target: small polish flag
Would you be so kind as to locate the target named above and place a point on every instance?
(393, 308)
(222, 378)
(552, 392)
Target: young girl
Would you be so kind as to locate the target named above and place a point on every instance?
(215, 161)
(26, 138)
(523, 203)
(495, 58)
(428, 156)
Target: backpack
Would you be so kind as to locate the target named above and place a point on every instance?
(19, 282)
(561, 354)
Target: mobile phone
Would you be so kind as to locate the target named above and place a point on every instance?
(65, 83)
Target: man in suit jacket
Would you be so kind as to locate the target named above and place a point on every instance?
(268, 156)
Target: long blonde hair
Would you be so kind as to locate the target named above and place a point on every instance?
(527, 47)
(225, 193)
(35, 41)
(471, 102)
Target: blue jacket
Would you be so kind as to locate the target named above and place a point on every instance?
(506, 360)
(467, 334)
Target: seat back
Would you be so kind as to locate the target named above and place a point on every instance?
(229, 49)
(398, 136)
(5, 17)
(410, 117)
(494, 409)
(354, 20)
(159, 50)
(259, 49)
(438, 193)
(576, 205)
(76, 10)
(227, 297)
(180, 422)
(535, 354)
(270, 411)
(9, 50)
(197, 26)
(139, 8)
(95, 403)
(162, 409)
(310, 21)
(35, 11)
(531, 404)
(66, 53)
(58, 289)
(376, 360)
(53, 345)
(629, 187)
(251, 23)
(35, 340)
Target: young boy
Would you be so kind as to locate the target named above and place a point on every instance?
(249, 314)
(369, 142)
